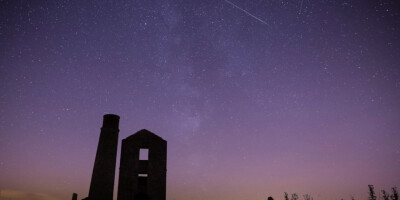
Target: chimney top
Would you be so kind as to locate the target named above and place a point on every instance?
(110, 121)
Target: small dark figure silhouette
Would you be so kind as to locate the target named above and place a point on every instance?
(270, 198)
(74, 196)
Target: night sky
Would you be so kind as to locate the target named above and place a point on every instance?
(255, 98)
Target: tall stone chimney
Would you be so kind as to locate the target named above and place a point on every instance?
(102, 183)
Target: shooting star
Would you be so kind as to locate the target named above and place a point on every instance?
(251, 15)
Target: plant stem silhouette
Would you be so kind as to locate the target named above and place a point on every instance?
(395, 195)
(307, 197)
(372, 195)
(286, 196)
(294, 197)
(385, 195)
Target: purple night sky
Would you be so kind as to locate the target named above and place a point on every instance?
(255, 98)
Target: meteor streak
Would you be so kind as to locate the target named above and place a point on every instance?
(251, 15)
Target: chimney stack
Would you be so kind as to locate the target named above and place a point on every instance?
(102, 183)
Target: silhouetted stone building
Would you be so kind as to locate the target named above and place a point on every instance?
(143, 167)
(102, 183)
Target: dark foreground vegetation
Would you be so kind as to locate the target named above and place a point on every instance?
(394, 195)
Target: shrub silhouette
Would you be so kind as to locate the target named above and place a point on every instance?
(395, 195)
(372, 195)
(295, 197)
(385, 195)
(307, 197)
(286, 196)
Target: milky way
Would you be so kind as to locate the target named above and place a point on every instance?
(308, 104)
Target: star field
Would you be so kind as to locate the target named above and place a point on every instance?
(255, 98)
